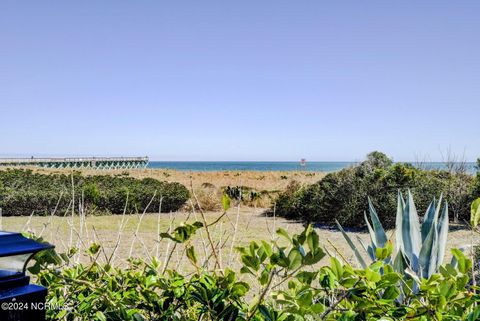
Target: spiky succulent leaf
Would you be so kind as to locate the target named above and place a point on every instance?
(398, 222)
(369, 249)
(414, 275)
(373, 237)
(428, 220)
(429, 253)
(442, 230)
(352, 246)
(380, 235)
(399, 263)
(411, 234)
(431, 215)
(359, 239)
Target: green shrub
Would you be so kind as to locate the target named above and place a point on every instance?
(242, 193)
(342, 195)
(289, 199)
(475, 188)
(23, 192)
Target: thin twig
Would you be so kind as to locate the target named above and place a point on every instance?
(217, 261)
(135, 236)
(262, 295)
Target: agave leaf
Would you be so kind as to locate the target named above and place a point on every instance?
(454, 262)
(380, 235)
(430, 216)
(413, 275)
(362, 243)
(369, 249)
(411, 234)
(399, 263)
(415, 230)
(352, 246)
(398, 222)
(433, 268)
(429, 252)
(429, 219)
(442, 231)
(373, 238)
(371, 253)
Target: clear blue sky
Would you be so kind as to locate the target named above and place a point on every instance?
(240, 80)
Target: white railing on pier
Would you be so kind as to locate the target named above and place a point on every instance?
(34, 160)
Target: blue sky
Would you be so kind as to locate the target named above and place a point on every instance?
(240, 80)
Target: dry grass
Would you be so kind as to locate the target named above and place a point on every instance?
(139, 234)
(259, 180)
(208, 185)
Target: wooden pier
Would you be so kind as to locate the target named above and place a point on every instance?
(78, 162)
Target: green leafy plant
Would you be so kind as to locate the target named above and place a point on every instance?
(475, 213)
(288, 286)
(282, 279)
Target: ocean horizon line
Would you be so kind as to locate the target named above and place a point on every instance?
(297, 161)
(312, 166)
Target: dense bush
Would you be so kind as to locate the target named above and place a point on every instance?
(24, 191)
(475, 189)
(342, 195)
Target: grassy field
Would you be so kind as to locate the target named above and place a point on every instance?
(137, 235)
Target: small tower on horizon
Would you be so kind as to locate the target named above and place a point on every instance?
(303, 162)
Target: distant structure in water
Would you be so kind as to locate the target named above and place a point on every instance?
(303, 162)
(78, 162)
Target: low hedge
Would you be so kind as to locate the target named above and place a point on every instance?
(342, 195)
(24, 191)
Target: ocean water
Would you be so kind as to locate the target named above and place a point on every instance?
(251, 166)
(273, 166)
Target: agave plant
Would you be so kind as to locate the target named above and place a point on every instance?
(420, 248)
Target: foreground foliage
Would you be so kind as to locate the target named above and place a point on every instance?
(23, 192)
(279, 280)
(341, 195)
